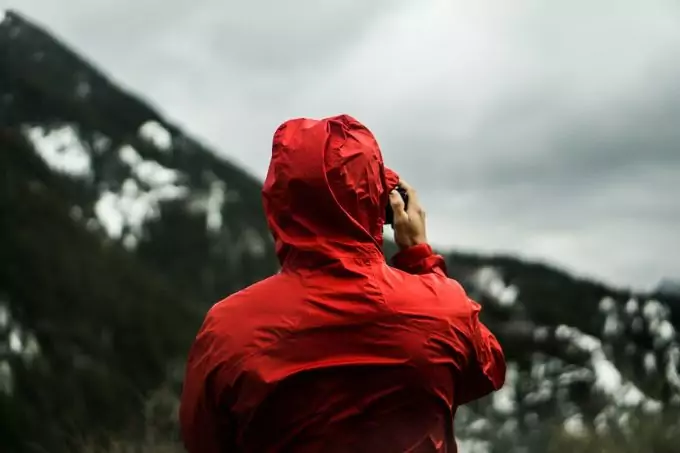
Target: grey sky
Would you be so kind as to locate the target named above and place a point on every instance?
(549, 129)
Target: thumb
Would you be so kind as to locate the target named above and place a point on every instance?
(397, 203)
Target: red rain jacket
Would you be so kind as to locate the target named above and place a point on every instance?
(338, 352)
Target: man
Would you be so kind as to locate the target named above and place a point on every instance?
(338, 352)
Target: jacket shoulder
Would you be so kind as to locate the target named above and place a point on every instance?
(428, 295)
(230, 328)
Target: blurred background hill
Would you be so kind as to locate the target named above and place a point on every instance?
(118, 230)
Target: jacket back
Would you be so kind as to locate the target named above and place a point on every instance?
(339, 352)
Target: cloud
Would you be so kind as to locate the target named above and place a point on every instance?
(547, 129)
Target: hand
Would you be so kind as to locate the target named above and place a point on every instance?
(409, 224)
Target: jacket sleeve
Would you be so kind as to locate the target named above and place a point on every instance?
(485, 370)
(204, 426)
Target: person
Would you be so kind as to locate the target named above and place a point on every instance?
(338, 352)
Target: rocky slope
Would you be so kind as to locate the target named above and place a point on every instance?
(118, 230)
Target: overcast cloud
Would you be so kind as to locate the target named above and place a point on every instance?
(545, 128)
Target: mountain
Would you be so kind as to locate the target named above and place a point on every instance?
(670, 287)
(118, 230)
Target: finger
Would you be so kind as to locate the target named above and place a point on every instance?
(397, 203)
(404, 185)
(410, 191)
(413, 201)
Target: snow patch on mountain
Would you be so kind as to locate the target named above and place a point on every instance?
(649, 362)
(121, 213)
(612, 323)
(4, 315)
(656, 314)
(607, 377)
(149, 172)
(155, 133)
(15, 342)
(473, 446)
(504, 401)
(654, 318)
(672, 365)
(651, 318)
(61, 150)
(253, 242)
(574, 425)
(125, 212)
(489, 281)
(214, 204)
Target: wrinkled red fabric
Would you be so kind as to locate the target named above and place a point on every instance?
(339, 352)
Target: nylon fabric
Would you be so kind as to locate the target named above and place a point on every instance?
(339, 352)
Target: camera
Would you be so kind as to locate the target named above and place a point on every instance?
(389, 214)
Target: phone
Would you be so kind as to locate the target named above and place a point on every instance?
(389, 214)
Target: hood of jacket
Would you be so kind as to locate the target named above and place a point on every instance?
(326, 191)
